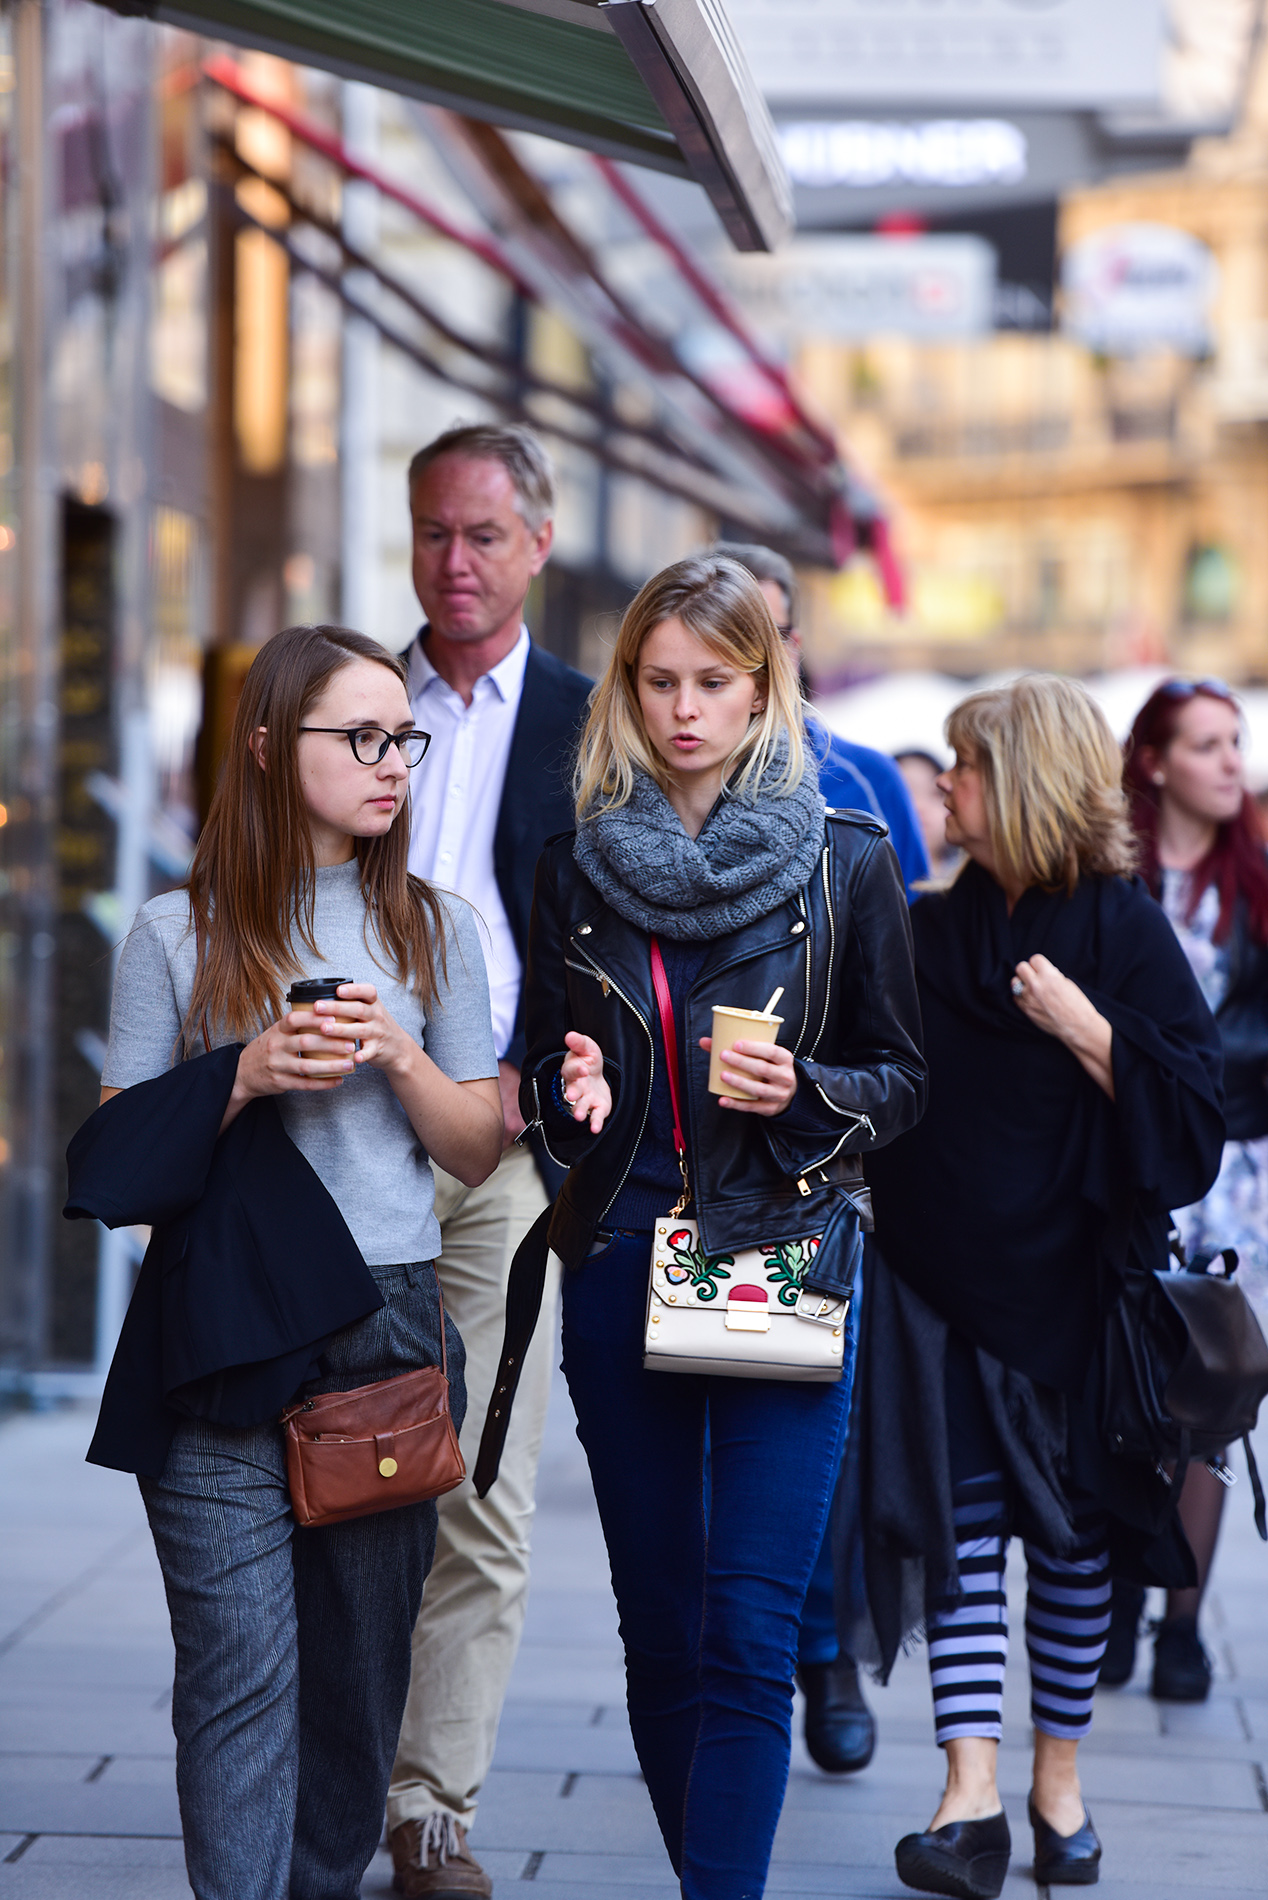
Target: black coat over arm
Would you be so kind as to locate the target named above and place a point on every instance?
(249, 1271)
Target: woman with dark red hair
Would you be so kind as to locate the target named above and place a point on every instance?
(1202, 855)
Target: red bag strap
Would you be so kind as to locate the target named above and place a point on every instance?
(669, 1035)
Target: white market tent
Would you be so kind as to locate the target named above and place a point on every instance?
(906, 711)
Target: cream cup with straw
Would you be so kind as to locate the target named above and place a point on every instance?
(739, 1025)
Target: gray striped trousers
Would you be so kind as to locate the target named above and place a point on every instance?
(1067, 1623)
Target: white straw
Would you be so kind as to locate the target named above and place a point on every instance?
(770, 1007)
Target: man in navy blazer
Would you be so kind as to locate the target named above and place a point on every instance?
(503, 715)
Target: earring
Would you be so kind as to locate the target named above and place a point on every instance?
(1160, 778)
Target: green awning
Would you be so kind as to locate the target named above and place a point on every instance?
(657, 82)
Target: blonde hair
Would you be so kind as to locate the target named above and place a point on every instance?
(721, 603)
(1052, 781)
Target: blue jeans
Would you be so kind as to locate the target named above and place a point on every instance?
(709, 1566)
(292, 1646)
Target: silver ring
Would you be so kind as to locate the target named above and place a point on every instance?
(1017, 986)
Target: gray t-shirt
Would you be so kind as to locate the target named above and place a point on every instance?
(357, 1137)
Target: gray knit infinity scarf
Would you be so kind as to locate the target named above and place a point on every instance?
(751, 856)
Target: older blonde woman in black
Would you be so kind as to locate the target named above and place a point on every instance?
(1074, 1096)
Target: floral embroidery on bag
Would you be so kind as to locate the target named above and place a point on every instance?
(690, 1262)
(789, 1259)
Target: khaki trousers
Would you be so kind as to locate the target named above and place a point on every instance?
(468, 1629)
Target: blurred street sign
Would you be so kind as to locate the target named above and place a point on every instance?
(1041, 53)
(867, 153)
(849, 169)
(930, 287)
(1138, 286)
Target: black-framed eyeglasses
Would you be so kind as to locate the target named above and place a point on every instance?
(1185, 689)
(370, 743)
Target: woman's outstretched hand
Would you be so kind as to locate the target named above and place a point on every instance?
(1053, 1003)
(584, 1084)
(763, 1069)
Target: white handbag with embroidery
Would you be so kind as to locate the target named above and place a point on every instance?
(744, 1314)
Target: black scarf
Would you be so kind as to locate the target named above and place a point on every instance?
(1012, 1206)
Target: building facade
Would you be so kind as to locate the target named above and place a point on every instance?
(1059, 504)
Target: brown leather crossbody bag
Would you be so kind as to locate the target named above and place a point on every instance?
(375, 1448)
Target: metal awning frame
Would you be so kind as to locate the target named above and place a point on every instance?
(780, 485)
(718, 130)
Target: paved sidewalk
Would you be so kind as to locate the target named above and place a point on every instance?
(88, 1808)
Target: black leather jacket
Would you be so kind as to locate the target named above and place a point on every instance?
(1242, 1020)
(841, 948)
(842, 951)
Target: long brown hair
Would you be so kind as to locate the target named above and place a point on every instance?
(1235, 863)
(252, 883)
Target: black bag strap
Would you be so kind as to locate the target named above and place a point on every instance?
(1257, 1490)
(524, 1291)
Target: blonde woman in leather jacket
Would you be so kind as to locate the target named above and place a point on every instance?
(700, 823)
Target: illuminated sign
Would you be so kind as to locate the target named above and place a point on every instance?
(864, 153)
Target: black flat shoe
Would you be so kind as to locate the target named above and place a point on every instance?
(1126, 1604)
(1182, 1668)
(840, 1728)
(966, 1859)
(1065, 1860)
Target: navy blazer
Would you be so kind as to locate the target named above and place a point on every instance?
(536, 805)
(250, 1268)
(536, 799)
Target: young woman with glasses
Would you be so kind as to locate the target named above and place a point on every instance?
(1202, 855)
(293, 1645)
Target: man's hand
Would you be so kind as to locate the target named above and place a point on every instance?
(509, 1089)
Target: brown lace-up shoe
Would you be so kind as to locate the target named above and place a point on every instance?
(431, 1861)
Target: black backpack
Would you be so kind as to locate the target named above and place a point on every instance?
(1184, 1367)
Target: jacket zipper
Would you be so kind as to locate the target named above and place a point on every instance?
(585, 970)
(832, 949)
(591, 968)
(858, 1120)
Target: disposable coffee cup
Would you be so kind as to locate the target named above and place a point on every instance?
(729, 1027)
(315, 989)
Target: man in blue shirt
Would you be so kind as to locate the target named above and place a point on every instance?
(840, 1728)
(850, 776)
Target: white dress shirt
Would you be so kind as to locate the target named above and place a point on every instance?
(455, 795)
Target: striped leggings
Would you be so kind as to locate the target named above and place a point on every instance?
(1067, 1623)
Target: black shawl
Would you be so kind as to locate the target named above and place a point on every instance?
(1012, 1207)
(1009, 1214)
